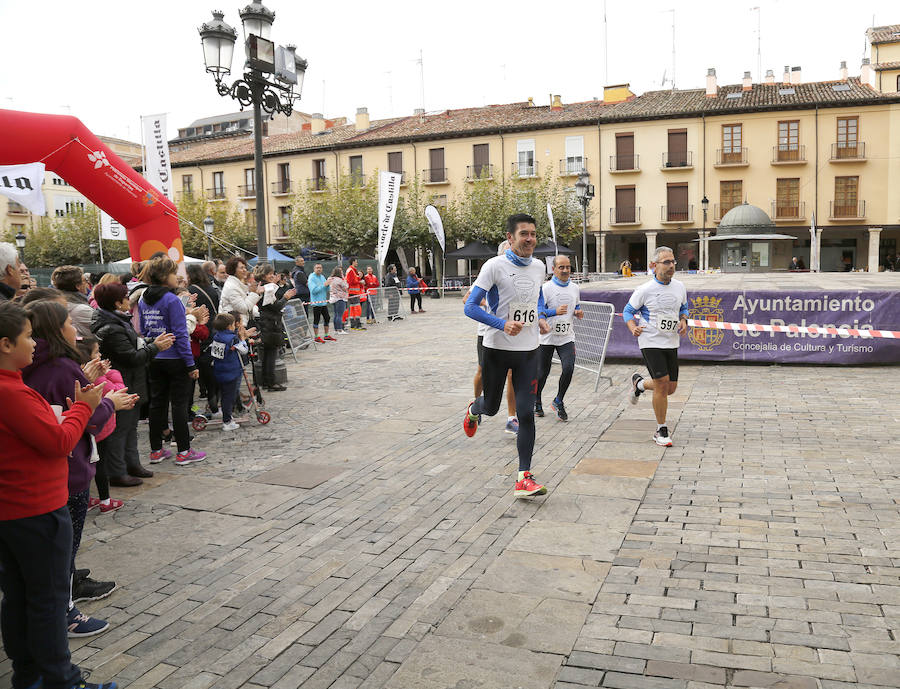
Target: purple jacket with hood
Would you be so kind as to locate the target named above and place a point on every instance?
(54, 380)
(161, 311)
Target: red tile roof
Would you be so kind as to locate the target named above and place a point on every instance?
(884, 34)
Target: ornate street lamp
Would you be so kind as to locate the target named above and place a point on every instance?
(584, 192)
(272, 81)
(20, 245)
(92, 248)
(704, 245)
(208, 226)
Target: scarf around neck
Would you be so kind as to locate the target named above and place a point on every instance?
(517, 260)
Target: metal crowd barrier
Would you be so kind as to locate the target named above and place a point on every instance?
(296, 327)
(592, 335)
(386, 302)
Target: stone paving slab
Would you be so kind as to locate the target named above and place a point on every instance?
(544, 576)
(299, 475)
(615, 467)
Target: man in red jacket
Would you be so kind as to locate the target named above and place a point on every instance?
(371, 282)
(356, 294)
(35, 524)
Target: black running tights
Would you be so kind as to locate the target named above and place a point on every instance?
(524, 379)
(567, 359)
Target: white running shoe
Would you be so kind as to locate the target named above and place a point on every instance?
(233, 426)
(635, 391)
(661, 437)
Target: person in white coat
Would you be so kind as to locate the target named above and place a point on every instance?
(237, 299)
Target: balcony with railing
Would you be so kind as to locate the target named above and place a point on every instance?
(435, 175)
(788, 154)
(317, 184)
(624, 163)
(282, 187)
(16, 209)
(625, 215)
(731, 157)
(525, 169)
(403, 179)
(677, 160)
(846, 210)
(676, 215)
(788, 210)
(281, 230)
(848, 152)
(572, 166)
(484, 171)
(215, 194)
(247, 191)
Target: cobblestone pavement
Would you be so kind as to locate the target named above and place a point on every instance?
(361, 541)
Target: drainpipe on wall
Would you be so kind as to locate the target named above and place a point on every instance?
(816, 268)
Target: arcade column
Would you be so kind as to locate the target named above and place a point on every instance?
(874, 245)
(601, 251)
(651, 246)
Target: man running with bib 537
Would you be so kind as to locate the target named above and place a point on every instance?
(511, 284)
(656, 315)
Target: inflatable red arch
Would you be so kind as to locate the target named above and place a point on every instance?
(69, 149)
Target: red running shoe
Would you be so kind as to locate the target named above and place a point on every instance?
(528, 487)
(92, 503)
(470, 423)
(111, 507)
(329, 338)
(320, 340)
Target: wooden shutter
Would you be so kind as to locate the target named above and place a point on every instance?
(625, 151)
(677, 202)
(436, 163)
(787, 198)
(677, 147)
(625, 208)
(481, 159)
(395, 162)
(731, 143)
(846, 197)
(847, 137)
(730, 195)
(789, 140)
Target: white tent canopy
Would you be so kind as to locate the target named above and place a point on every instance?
(187, 259)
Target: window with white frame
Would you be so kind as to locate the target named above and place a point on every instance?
(525, 158)
(574, 155)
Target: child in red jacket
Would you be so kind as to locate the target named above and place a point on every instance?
(35, 525)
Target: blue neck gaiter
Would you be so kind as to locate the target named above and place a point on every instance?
(516, 259)
(557, 281)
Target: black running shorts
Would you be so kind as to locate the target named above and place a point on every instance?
(480, 347)
(661, 362)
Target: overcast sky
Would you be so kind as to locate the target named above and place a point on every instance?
(109, 62)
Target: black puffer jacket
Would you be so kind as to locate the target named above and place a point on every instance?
(120, 344)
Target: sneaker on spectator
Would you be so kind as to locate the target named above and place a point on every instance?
(189, 457)
(85, 589)
(92, 503)
(210, 415)
(111, 507)
(159, 455)
(230, 426)
(84, 684)
(81, 573)
(82, 625)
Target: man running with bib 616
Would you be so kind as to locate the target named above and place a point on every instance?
(511, 284)
(656, 315)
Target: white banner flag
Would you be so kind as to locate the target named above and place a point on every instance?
(159, 168)
(22, 184)
(435, 223)
(552, 227)
(388, 195)
(110, 228)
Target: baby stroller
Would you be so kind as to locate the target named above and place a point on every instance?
(252, 399)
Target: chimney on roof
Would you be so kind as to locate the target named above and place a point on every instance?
(786, 80)
(362, 119)
(712, 88)
(865, 72)
(420, 113)
(796, 76)
(557, 103)
(844, 72)
(747, 83)
(530, 101)
(317, 126)
(770, 76)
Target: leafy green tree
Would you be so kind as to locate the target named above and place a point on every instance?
(229, 225)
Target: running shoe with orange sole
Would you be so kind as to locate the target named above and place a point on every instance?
(470, 423)
(528, 487)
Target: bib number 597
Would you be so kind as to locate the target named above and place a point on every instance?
(668, 325)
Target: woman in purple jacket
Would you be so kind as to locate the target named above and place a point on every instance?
(52, 374)
(171, 371)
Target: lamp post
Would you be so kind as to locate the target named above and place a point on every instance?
(272, 81)
(20, 245)
(584, 192)
(704, 246)
(92, 248)
(208, 225)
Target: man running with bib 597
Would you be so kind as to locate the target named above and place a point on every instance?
(511, 284)
(656, 315)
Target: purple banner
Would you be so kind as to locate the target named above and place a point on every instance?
(871, 310)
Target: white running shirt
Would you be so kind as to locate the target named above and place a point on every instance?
(561, 327)
(659, 306)
(512, 294)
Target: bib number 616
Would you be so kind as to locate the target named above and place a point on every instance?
(526, 316)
